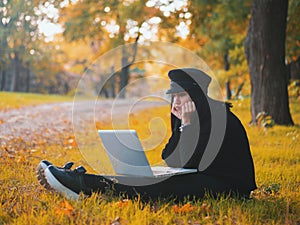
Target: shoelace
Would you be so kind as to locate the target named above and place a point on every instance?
(80, 169)
(68, 165)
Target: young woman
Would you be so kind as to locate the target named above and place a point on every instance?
(206, 136)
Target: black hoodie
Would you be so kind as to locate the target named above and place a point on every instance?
(212, 124)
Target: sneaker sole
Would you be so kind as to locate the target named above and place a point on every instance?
(40, 173)
(57, 186)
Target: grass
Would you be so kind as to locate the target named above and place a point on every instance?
(16, 100)
(276, 201)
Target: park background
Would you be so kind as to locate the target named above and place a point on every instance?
(253, 48)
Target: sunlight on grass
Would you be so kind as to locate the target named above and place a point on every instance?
(276, 201)
(16, 100)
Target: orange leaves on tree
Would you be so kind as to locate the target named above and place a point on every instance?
(202, 41)
(295, 57)
(65, 208)
(208, 7)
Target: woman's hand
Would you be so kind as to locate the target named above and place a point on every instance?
(184, 112)
(176, 111)
(187, 110)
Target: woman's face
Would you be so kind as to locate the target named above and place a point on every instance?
(178, 100)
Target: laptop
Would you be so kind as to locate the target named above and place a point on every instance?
(127, 155)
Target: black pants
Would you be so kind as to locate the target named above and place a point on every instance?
(176, 187)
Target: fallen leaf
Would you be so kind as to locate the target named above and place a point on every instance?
(122, 203)
(183, 209)
(21, 159)
(64, 207)
(116, 221)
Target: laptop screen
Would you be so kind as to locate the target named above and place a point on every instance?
(125, 152)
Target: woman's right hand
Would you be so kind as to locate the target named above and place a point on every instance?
(176, 111)
(184, 112)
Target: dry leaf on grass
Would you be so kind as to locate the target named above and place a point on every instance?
(65, 208)
(183, 209)
(122, 203)
(116, 221)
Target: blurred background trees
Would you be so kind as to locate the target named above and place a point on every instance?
(27, 63)
(215, 30)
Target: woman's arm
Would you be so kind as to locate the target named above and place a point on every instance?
(170, 153)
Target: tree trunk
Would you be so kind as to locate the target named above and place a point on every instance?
(226, 62)
(112, 82)
(124, 76)
(13, 78)
(27, 79)
(240, 87)
(3, 80)
(16, 74)
(294, 70)
(228, 90)
(265, 53)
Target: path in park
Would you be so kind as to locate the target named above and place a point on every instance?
(47, 121)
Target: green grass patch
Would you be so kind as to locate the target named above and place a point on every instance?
(17, 99)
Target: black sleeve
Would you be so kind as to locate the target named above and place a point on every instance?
(188, 144)
(185, 148)
(171, 151)
(192, 146)
(193, 141)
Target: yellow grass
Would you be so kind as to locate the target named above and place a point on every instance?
(276, 153)
(16, 100)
